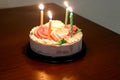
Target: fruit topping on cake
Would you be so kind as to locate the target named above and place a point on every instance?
(59, 33)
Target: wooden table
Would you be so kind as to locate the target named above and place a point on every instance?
(101, 62)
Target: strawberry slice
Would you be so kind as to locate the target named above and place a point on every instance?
(36, 34)
(54, 36)
(41, 32)
(74, 29)
(44, 31)
(59, 34)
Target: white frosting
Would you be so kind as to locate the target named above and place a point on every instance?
(55, 24)
(75, 38)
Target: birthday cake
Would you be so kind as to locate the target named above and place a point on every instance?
(56, 42)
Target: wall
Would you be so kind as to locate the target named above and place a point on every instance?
(103, 12)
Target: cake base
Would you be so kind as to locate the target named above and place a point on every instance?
(64, 59)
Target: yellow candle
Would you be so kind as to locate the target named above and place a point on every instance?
(50, 23)
(41, 7)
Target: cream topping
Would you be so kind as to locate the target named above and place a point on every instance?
(57, 28)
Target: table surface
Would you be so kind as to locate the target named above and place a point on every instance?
(101, 62)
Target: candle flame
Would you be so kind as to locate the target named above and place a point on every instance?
(41, 6)
(66, 3)
(50, 14)
(70, 9)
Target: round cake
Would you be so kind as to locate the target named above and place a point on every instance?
(59, 42)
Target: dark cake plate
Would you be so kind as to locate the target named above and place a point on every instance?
(64, 59)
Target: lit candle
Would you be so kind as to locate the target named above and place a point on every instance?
(41, 7)
(71, 21)
(50, 23)
(66, 14)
